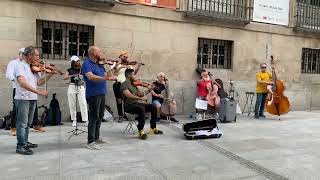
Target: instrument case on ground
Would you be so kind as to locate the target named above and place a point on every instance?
(192, 129)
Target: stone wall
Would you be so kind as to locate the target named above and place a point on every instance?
(165, 41)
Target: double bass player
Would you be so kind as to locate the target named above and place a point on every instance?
(264, 78)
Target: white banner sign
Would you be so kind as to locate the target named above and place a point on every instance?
(271, 11)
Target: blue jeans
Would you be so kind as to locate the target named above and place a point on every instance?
(260, 104)
(24, 116)
(156, 103)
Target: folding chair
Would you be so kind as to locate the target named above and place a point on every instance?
(131, 122)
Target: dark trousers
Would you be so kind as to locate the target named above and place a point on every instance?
(141, 109)
(96, 111)
(13, 120)
(260, 104)
(118, 95)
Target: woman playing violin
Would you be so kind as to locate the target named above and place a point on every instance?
(119, 71)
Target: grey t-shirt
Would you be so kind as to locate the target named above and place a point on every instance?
(23, 69)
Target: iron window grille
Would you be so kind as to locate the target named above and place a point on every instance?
(224, 10)
(310, 63)
(59, 40)
(308, 15)
(213, 53)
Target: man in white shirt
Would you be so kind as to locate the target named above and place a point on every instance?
(10, 77)
(120, 69)
(26, 98)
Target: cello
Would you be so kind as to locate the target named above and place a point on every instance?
(168, 107)
(277, 103)
(212, 96)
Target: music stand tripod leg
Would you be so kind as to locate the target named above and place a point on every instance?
(245, 105)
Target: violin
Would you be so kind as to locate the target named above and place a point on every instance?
(108, 61)
(40, 67)
(140, 83)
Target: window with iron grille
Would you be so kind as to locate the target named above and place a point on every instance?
(310, 63)
(59, 40)
(308, 15)
(214, 53)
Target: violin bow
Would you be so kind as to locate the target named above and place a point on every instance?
(45, 78)
(132, 50)
(109, 69)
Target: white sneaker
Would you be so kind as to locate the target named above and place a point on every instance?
(93, 146)
(74, 123)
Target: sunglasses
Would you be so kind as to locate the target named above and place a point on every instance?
(263, 67)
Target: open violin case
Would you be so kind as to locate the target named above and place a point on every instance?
(204, 129)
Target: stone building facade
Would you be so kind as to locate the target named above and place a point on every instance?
(168, 40)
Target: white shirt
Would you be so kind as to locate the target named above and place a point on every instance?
(10, 71)
(23, 69)
(121, 73)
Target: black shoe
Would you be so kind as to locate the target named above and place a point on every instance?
(143, 137)
(30, 145)
(262, 116)
(174, 120)
(256, 117)
(24, 151)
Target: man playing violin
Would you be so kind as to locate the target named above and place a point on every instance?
(26, 98)
(95, 77)
(132, 104)
(119, 70)
(157, 98)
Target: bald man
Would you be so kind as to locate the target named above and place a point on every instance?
(95, 77)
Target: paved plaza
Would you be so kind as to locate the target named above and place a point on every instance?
(250, 149)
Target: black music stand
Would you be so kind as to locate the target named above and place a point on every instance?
(77, 131)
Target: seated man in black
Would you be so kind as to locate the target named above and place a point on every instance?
(135, 103)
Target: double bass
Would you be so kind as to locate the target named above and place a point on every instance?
(168, 107)
(277, 103)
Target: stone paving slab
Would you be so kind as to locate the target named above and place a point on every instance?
(249, 149)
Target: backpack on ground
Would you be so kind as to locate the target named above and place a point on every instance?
(54, 113)
(8, 119)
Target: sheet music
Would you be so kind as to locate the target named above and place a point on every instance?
(201, 104)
